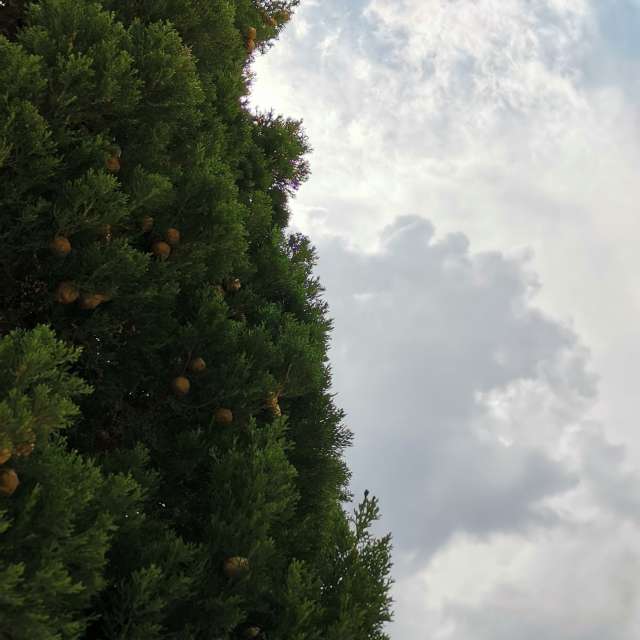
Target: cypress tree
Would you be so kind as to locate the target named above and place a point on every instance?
(166, 403)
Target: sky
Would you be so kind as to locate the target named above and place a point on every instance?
(473, 200)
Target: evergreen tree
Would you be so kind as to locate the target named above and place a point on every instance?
(143, 210)
(58, 512)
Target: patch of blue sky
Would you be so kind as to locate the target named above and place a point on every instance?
(619, 24)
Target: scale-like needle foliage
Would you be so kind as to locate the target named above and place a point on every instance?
(155, 308)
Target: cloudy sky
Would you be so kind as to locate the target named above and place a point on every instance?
(474, 200)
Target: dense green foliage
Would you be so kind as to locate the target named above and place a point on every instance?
(154, 306)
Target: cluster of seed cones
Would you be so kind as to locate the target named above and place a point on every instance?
(162, 248)
(9, 480)
(181, 386)
(68, 291)
(272, 21)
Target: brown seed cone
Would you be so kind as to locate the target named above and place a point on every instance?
(233, 284)
(273, 405)
(92, 300)
(251, 45)
(272, 22)
(235, 567)
(67, 292)
(252, 33)
(25, 449)
(172, 236)
(180, 386)
(5, 454)
(9, 481)
(251, 632)
(113, 164)
(147, 224)
(275, 410)
(105, 232)
(197, 365)
(224, 416)
(60, 247)
(161, 249)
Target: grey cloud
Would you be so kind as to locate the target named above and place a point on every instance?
(606, 470)
(419, 329)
